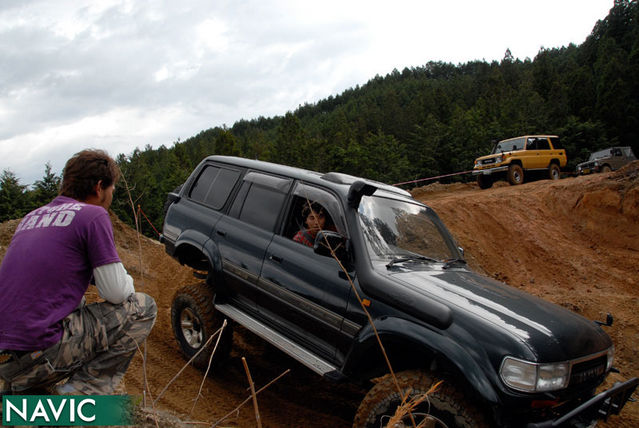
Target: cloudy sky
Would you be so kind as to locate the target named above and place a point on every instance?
(121, 74)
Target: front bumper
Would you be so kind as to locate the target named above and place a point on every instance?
(602, 405)
(586, 169)
(489, 171)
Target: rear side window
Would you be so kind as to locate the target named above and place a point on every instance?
(556, 143)
(260, 200)
(542, 144)
(214, 185)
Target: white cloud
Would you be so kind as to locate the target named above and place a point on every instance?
(117, 74)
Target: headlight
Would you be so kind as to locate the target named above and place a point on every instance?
(498, 159)
(533, 377)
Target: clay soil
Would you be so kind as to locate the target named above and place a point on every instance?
(574, 242)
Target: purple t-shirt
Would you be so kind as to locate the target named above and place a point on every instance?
(47, 269)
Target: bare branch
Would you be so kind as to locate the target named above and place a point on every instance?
(237, 409)
(255, 407)
(199, 392)
(185, 365)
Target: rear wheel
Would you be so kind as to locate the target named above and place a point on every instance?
(515, 174)
(195, 320)
(554, 172)
(484, 181)
(445, 407)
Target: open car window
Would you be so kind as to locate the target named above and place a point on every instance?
(303, 195)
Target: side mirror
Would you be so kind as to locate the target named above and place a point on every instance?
(172, 197)
(461, 251)
(327, 240)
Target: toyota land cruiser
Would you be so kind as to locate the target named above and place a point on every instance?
(505, 358)
(517, 157)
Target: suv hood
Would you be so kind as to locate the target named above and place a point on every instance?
(551, 333)
(592, 162)
(493, 155)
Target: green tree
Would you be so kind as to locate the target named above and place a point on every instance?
(290, 147)
(47, 188)
(14, 200)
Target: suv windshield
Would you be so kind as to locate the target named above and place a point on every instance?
(397, 229)
(510, 145)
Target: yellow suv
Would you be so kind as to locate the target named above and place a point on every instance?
(515, 157)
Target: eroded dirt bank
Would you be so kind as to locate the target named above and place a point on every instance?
(574, 242)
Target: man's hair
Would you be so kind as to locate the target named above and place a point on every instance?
(312, 206)
(84, 170)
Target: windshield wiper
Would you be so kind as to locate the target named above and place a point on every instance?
(407, 259)
(450, 262)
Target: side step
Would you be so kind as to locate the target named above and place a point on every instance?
(311, 361)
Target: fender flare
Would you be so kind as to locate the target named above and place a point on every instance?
(202, 243)
(430, 340)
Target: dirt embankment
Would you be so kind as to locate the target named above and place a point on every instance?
(574, 242)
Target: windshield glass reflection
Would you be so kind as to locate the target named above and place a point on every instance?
(395, 229)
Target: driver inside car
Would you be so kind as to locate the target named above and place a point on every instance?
(314, 220)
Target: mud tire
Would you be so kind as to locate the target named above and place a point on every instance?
(605, 168)
(194, 320)
(484, 181)
(447, 404)
(554, 173)
(515, 175)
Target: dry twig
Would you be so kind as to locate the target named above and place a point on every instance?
(199, 392)
(185, 365)
(146, 385)
(368, 316)
(252, 385)
(136, 218)
(237, 409)
(407, 408)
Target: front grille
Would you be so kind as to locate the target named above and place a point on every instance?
(587, 370)
(488, 161)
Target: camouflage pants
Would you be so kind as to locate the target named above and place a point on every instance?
(98, 342)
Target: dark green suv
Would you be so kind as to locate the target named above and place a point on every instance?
(380, 268)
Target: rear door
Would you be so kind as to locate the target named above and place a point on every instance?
(616, 159)
(302, 293)
(244, 234)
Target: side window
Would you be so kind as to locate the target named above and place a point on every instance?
(542, 144)
(617, 152)
(313, 209)
(203, 183)
(214, 185)
(531, 144)
(260, 200)
(556, 143)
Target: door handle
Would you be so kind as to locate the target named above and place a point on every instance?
(221, 232)
(276, 259)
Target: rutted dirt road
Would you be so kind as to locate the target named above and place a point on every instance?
(574, 242)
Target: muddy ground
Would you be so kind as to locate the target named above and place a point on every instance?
(574, 242)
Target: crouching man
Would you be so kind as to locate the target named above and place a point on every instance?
(47, 333)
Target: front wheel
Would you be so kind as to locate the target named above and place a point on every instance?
(484, 181)
(515, 174)
(606, 168)
(446, 407)
(554, 173)
(194, 320)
